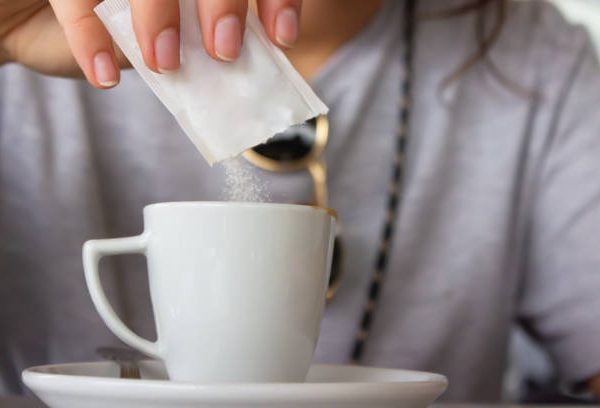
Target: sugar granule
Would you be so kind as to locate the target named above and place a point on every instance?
(241, 183)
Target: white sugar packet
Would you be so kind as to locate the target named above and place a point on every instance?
(224, 108)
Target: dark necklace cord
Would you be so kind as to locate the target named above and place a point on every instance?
(395, 187)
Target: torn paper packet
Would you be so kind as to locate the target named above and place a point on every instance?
(224, 108)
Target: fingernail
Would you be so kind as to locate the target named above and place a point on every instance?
(228, 37)
(105, 70)
(286, 27)
(166, 49)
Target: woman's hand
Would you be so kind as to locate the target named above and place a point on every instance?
(58, 36)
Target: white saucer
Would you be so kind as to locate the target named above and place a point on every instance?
(94, 385)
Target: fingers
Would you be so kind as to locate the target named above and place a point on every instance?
(156, 24)
(90, 43)
(222, 23)
(281, 19)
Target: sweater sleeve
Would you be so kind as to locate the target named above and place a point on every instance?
(560, 299)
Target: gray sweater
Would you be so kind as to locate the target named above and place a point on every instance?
(499, 222)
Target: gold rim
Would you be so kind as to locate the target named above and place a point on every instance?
(328, 210)
(334, 285)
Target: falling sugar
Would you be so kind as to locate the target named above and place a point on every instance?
(241, 183)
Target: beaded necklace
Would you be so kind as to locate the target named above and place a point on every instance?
(395, 186)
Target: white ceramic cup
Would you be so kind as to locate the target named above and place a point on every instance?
(237, 288)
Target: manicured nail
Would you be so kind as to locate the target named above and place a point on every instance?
(228, 37)
(286, 27)
(106, 72)
(166, 49)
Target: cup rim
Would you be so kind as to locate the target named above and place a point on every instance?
(296, 207)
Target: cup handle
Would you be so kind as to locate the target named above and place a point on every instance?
(95, 250)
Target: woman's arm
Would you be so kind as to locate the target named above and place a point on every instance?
(559, 302)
